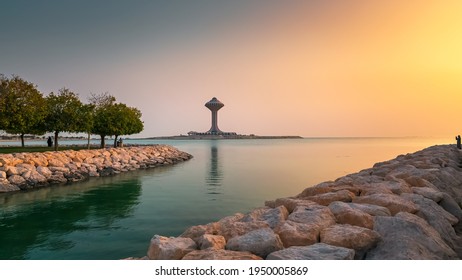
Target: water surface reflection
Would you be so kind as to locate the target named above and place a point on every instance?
(214, 176)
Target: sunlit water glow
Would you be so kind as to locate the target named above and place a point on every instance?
(115, 217)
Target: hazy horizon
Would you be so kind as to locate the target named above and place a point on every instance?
(309, 68)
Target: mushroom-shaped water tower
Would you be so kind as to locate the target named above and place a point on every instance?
(214, 105)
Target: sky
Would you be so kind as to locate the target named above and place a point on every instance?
(314, 68)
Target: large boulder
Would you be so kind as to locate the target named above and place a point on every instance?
(344, 214)
(260, 242)
(298, 234)
(393, 202)
(450, 204)
(318, 251)
(359, 239)
(272, 216)
(196, 232)
(371, 209)
(317, 215)
(408, 237)
(6, 186)
(17, 180)
(207, 241)
(36, 179)
(438, 218)
(289, 203)
(327, 198)
(43, 170)
(210, 254)
(54, 162)
(327, 187)
(429, 193)
(169, 248)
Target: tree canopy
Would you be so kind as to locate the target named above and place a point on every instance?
(114, 119)
(22, 107)
(24, 110)
(64, 113)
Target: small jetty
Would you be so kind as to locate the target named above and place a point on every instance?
(24, 171)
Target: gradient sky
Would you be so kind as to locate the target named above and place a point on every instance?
(311, 68)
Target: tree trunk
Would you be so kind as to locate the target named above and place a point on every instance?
(56, 140)
(103, 144)
(88, 143)
(22, 140)
(115, 141)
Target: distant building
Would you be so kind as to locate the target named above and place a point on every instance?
(213, 105)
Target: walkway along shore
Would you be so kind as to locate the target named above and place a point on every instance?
(22, 171)
(405, 208)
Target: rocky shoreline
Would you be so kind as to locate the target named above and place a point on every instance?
(23, 171)
(405, 208)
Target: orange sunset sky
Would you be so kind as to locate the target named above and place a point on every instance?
(309, 68)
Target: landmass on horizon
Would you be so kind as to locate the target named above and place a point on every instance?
(214, 132)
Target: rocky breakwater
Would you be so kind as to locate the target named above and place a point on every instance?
(22, 171)
(405, 208)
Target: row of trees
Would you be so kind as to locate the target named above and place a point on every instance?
(24, 110)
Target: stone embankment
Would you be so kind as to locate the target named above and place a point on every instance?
(405, 208)
(22, 171)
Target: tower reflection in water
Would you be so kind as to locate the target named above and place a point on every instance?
(215, 175)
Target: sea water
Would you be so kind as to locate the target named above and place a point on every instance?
(115, 217)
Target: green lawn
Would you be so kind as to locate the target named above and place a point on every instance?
(31, 149)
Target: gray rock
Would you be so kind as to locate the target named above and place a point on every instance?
(43, 170)
(272, 216)
(196, 232)
(298, 234)
(344, 214)
(36, 179)
(327, 198)
(17, 180)
(394, 203)
(318, 251)
(359, 239)
(207, 241)
(327, 187)
(373, 210)
(165, 248)
(428, 193)
(6, 186)
(55, 169)
(437, 217)
(408, 237)
(240, 228)
(450, 205)
(220, 255)
(316, 215)
(57, 178)
(260, 242)
(290, 203)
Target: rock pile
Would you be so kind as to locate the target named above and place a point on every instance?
(21, 171)
(405, 208)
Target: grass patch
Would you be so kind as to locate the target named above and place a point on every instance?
(34, 149)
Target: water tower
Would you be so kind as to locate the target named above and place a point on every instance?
(214, 105)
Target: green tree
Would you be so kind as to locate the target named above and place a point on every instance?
(126, 121)
(65, 113)
(114, 119)
(22, 107)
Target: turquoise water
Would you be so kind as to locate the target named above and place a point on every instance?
(113, 218)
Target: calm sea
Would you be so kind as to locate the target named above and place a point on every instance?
(113, 218)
